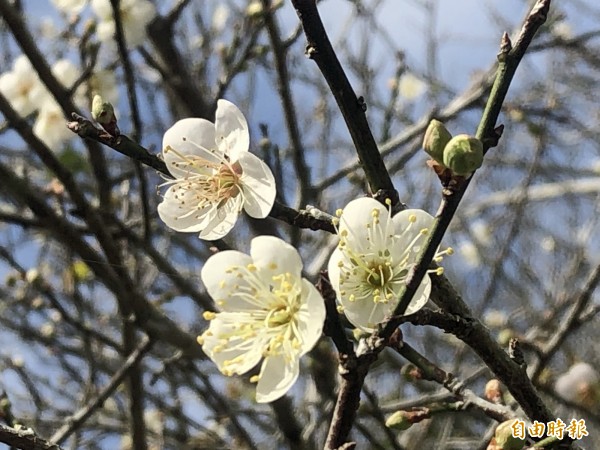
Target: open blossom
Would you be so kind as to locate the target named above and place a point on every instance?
(135, 17)
(580, 384)
(19, 85)
(267, 311)
(50, 122)
(215, 175)
(69, 6)
(372, 262)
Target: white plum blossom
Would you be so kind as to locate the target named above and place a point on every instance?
(69, 7)
(268, 312)
(135, 17)
(50, 125)
(19, 86)
(580, 384)
(410, 86)
(374, 257)
(215, 175)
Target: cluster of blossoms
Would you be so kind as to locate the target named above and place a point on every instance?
(267, 311)
(27, 95)
(135, 17)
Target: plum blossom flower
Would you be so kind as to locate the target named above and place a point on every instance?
(135, 17)
(50, 122)
(19, 85)
(215, 175)
(580, 384)
(50, 125)
(374, 258)
(69, 6)
(267, 311)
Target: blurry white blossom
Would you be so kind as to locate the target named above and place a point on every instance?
(481, 231)
(562, 30)
(548, 244)
(50, 125)
(219, 18)
(135, 16)
(410, 86)
(495, 318)
(580, 384)
(104, 82)
(19, 86)
(69, 7)
(470, 253)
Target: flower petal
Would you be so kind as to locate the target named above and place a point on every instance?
(239, 354)
(334, 270)
(311, 317)
(421, 297)
(358, 222)
(365, 314)
(176, 212)
(273, 256)
(190, 137)
(258, 185)
(223, 221)
(232, 136)
(221, 282)
(277, 375)
(408, 230)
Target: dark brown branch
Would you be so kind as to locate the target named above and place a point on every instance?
(86, 129)
(512, 375)
(24, 438)
(353, 108)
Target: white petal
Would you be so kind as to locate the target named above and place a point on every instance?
(272, 256)
(277, 375)
(311, 317)
(182, 216)
(258, 185)
(223, 221)
(357, 220)
(220, 281)
(421, 297)
(402, 224)
(232, 135)
(334, 270)
(189, 137)
(248, 350)
(365, 314)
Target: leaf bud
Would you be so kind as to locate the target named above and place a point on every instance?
(463, 154)
(436, 138)
(505, 437)
(104, 113)
(400, 421)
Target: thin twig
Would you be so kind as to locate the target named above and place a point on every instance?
(74, 422)
(353, 108)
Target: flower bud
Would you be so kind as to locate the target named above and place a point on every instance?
(399, 421)
(493, 391)
(436, 138)
(463, 154)
(505, 439)
(104, 113)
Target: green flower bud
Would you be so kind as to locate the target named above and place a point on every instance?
(104, 113)
(463, 154)
(436, 138)
(505, 439)
(399, 421)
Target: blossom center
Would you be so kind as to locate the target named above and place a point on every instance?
(379, 274)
